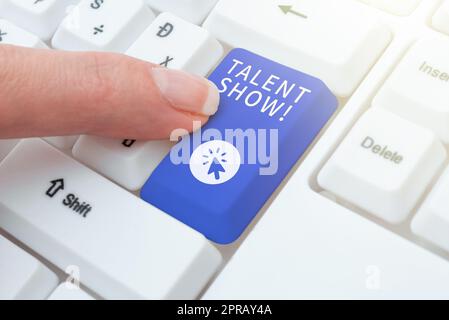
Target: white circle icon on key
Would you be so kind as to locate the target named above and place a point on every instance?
(215, 162)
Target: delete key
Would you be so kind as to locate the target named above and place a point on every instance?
(217, 179)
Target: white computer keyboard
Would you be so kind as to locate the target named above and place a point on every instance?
(364, 214)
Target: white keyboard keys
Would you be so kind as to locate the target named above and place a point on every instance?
(103, 25)
(6, 146)
(11, 34)
(123, 247)
(397, 7)
(194, 11)
(306, 247)
(21, 275)
(127, 162)
(63, 143)
(432, 220)
(314, 36)
(177, 44)
(68, 291)
(384, 165)
(441, 18)
(418, 89)
(37, 16)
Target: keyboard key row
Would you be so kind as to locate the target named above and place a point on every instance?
(123, 247)
(42, 18)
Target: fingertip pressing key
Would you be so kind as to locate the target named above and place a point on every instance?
(98, 91)
(186, 91)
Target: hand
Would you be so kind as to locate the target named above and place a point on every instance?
(54, 93)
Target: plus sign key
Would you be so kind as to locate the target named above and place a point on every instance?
(217, 179)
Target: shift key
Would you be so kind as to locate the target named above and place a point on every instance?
(217, 179)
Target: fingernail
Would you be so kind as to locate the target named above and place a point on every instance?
(187, 92)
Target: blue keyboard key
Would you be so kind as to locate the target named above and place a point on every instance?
(217, 179)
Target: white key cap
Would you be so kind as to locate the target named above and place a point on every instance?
(441, 18)
(37, 16)
(63, 143)
(21, 275)
(432, 220)
(6, 146)
(194, 11)
(384, 165)
(68, 291)
(307, 247)
(11, 34)
(314, 36)
(127, 162)
(103, 26)
(418, 89)
(177, 44)
(397, 7)
(123, 247)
